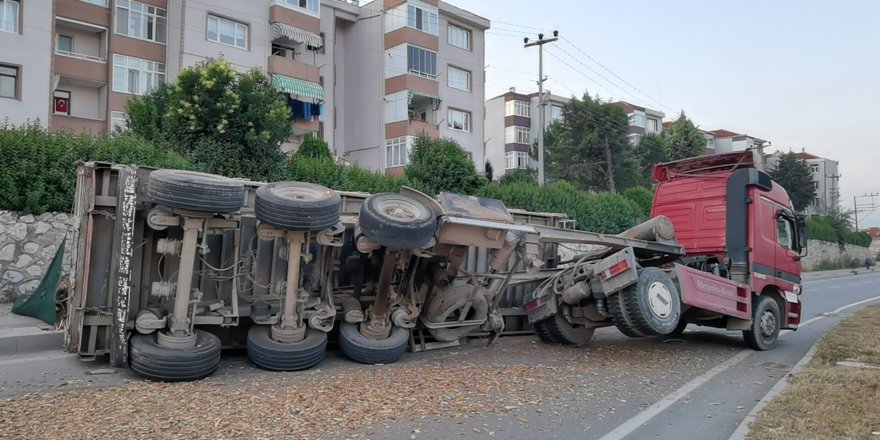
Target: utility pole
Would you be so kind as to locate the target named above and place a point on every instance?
(541, 101)
(868, 207)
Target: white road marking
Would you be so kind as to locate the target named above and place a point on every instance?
(628, 427)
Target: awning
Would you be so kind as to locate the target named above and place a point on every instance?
(298, 88)
(412, 93)
(297, 35)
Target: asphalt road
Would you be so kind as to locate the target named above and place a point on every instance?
(703, 385)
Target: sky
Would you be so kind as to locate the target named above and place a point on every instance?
(801, 74)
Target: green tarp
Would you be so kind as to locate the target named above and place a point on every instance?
(41, 304)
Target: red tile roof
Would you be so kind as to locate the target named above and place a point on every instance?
(874, 232)
(806, 156)
(723, 133)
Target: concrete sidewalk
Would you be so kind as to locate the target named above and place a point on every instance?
(22, 334)
(825, 274)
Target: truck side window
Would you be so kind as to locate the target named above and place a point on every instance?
(784, 232)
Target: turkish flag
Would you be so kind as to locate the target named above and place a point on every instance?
(62, 105)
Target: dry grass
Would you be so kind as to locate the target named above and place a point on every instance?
(826, 401)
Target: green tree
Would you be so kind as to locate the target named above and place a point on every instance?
(794, 175)
(442, 165)
(685, 139)
(314, 148)
(226, 122)
(590, 148)
(652, 149)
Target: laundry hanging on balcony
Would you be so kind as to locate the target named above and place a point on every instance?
(297, 35)
(304, 110)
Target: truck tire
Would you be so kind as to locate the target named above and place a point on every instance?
(649, 307)
(370, 351)
(297, 206)
(557, 330)
(194, 191)
(396, 221)
(447, 305)
(766, 323)
(270, 354)
(155, 362)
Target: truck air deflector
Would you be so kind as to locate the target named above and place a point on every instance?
(737, 218)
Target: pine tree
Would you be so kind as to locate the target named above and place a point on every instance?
(794, 175)
(685, 139)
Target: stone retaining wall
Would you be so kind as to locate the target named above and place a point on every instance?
(27, 245)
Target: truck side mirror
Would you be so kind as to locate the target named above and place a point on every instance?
(801, 224)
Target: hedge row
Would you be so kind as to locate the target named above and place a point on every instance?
(40, 175)
(819, 228)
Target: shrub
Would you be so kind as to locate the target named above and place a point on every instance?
(40, 173)
(442, 165)
(643, 197)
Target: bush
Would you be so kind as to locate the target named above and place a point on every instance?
(820, 228)
(605, 213)
(442, 165)
(39, 174)
(643, 197)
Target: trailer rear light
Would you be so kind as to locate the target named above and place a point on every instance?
(617, 269)
(532, 305)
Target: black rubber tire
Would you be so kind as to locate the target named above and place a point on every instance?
(270, 354)
(297, 206)
(149, 359)
(413, 230)
(756, 338)
(634, 309)
(560, 331)
(370, 351)
(620, 318)
(680, 328)
(446, 303)
(195, 191)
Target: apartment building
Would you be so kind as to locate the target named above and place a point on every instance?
(367, 78)
(642, 121)
(512, 123)
(825, 180)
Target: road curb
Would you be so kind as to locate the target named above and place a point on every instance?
(743, 429)
(21, 341)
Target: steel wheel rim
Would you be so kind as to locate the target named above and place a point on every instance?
(300, 193)
(660, 299)
(768, 324)
(400, 210)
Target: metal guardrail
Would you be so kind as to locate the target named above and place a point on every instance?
(80, 56)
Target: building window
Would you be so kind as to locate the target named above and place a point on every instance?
(137, 20)
(459, 120)
(397, 151)
(423, 19)
(815, 185)
(117, 121)
(555, 113)
(459, 79)
(9, 10)
(637, 120)
(814, 168)
(228, 32)
(61, 102)
(8, 81)
(421, 62)
(65, 43)
(516, 108)
(458, 37)
(310, 6)
(653, 125)
(136, 76)
(517, 135)
(517, 160)
(97, 2)
(634, 139)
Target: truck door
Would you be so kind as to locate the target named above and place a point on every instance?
(787, 255)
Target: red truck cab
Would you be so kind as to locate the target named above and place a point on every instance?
(738, 224)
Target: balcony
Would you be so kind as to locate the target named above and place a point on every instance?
(80, 50)
(84, 109)
(421, 115)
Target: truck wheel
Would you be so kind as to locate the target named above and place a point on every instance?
(396, 221)
(270, 354)
(620, 318)
(297, 206)
(361, 349)
(447, 306)
(194, 191)
(153, 361)
(680, 328)
(766, 323)
(649, 307)
(559, 331)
